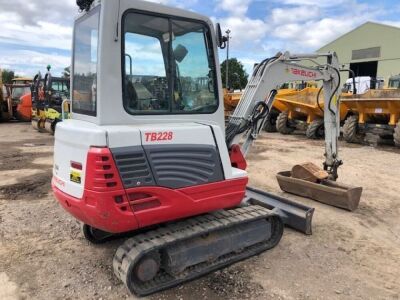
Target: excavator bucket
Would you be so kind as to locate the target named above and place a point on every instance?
(325, 191)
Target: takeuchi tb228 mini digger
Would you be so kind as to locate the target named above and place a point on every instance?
(146, 149)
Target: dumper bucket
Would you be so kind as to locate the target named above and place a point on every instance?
(326, 191)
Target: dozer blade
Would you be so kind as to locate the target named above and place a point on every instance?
(293, 214)
(325, 191)
(182, 251)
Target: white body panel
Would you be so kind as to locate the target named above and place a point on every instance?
(74, 138)
(109, 89)
(187, 133)
(112, 126)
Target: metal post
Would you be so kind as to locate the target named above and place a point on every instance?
(227, 60)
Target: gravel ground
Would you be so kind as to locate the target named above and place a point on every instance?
(349, 256)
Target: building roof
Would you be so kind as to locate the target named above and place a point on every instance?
(358, 27)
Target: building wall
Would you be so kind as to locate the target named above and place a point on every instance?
(370, 35)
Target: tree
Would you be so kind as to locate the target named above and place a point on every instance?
(7, 76)
(237, 74)
(66, 72)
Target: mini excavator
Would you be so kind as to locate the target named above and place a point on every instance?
(146, 149)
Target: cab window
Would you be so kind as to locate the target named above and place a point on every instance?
(168, 66)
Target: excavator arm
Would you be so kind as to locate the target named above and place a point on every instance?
(252, 111)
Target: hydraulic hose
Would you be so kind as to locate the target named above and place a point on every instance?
(334, 92)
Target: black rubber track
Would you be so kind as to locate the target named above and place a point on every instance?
(313, 130)
(131, 252)
(282, 123)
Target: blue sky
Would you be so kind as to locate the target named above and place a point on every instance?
(40, 31)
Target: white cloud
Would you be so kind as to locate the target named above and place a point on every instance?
(244, 31)
(294, 14)
(234, 7)
(392, 23)
(39, 24)
(32, 12)
(308, 28)
(181, 4)
(318, 3)
(28, 62)
(43, 34)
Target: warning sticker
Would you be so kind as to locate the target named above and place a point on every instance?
(75, 176)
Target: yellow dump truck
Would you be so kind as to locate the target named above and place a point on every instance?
(374, 116)
(302, 109)
(231, 100)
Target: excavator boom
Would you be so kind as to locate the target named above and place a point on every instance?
(252, 111)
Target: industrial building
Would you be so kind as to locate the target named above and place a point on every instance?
(371, 49)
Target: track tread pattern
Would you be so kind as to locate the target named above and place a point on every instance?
(130, 253)
(282, 123)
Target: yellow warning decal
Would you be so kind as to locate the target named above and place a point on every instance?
(75, 176)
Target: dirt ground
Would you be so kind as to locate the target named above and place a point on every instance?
(349, 256)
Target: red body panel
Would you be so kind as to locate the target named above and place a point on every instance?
(24, 108)
(106, 205)
(237, 158)
(126, 210)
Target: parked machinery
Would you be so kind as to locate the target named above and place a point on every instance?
(50, 101)
(290, 89)
(231, 100)
(57, 108)
(373, 111)
(18, 91)
(5, 105)
(374, 117)
(303, 109)
(38, 88)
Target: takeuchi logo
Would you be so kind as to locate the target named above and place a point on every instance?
(304, 73)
